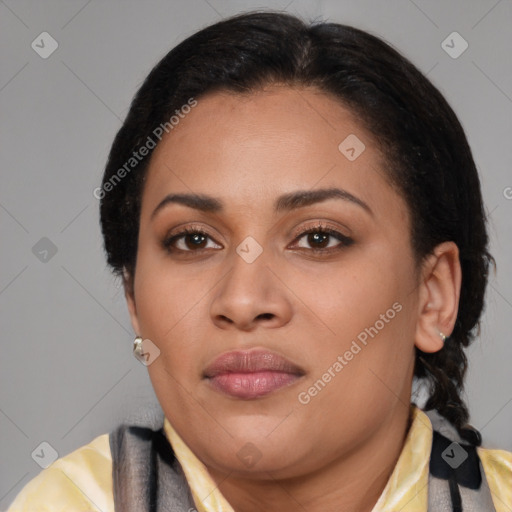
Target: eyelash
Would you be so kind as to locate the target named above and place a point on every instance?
(345, 241)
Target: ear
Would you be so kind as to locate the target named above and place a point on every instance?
(128, 284)
(439, 294)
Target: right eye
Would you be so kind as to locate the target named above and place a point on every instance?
(190, 240)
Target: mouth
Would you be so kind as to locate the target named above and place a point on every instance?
(250, 374)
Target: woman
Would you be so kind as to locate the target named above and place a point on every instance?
(297, 219)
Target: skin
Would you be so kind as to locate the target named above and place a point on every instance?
(247, 151)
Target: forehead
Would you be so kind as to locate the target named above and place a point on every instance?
(250, 147)
(305, 119)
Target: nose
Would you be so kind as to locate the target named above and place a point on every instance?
(251, 295)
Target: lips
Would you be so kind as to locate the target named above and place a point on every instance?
(249, 374)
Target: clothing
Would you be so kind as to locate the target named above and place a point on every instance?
(83, 480)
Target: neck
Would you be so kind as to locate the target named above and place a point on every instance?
(349, 483)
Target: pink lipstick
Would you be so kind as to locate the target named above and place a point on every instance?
(249, 374)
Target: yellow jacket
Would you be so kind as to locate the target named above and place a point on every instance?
(82, 480)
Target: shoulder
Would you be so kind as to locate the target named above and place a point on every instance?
(81, 480)
(497, 465)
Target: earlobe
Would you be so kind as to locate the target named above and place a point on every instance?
(439, 297)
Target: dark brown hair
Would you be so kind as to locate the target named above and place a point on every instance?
(424, 145)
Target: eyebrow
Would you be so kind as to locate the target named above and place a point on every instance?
(285, 202)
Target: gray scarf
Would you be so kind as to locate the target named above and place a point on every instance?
(147, 476)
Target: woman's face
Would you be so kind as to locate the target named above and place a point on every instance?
(315, 332)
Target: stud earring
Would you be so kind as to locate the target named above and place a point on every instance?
(443, 336)
(137, 347)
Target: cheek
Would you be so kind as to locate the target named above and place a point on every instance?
(170, 309)
(163, 293)
(364, 315)
(343, 300)
(170, 315)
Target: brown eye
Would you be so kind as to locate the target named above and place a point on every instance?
(319, 240)
(187, 240)
(323, 239)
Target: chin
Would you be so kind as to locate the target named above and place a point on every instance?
(256, 461)
(269, 429)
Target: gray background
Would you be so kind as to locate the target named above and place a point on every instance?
(67, 370)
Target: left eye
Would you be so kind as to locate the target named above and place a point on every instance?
(321, 237)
